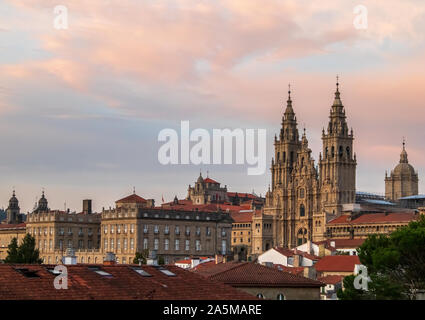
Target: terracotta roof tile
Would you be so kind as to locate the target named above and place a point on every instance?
(376, 218)
(334, 279)
(134, 198)
(337, 263)
(248, 274)
(13, 226)
(123, 284)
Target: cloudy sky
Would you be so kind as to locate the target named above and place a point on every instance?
(81, 108)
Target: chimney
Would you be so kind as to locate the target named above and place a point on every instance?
(70, 257)
(87, 206)
(194, 262)
(110, 259)
(152, 259)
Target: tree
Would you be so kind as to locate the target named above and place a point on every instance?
(12, 252)
(25, 253)
(395, 264)
(143, 255)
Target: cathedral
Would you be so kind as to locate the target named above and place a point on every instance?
(303, 196)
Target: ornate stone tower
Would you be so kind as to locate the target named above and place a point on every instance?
(403, 181)
(42, 205)
(338, 165)
(13, 211)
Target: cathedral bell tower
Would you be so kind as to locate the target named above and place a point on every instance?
(12, 211)
(338, 164)
(286, 147)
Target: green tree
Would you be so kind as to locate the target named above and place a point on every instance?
(12, 252)
(161, 260)
(143, 255)
(395, 264)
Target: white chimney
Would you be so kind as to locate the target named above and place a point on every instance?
(194, 262)
(70, 257)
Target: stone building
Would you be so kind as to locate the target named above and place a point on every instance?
(134, 226)
(303, 196)
(55, 231)
(206, 191)
(403, 180)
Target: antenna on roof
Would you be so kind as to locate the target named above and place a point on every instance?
(134, 190)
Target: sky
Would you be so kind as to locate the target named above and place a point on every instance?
(81, 108)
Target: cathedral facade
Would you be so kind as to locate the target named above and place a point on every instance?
(303, 196)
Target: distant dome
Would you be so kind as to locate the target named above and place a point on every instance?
(404, 169)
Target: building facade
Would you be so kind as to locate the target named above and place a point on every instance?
(303, 196)
(402, 181)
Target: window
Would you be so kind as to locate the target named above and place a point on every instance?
(223, 232)
(105, 229)
(187, 245)
(156, 244)
(105, 244)
(187, 231)
(118, 244)
(223, 246)
(145, 228)
(156, 229)
(132, 228)
(132, 244)
(260, 296)
(51, 231)
(125, 228)
(177, 230)
(280, 296)
(166, 229)
(89, 244)
(302, 210)
(166, 244)
(112, 244)
(198, 231)
(208, 231)
(198, 245)
(119, 228)
(80, 232)
(69, 243)
(50, 244)
(112, 228)
(301, 236)
(177, 244)
(69, 231)
(125, 244)
(61, 244)
(145, 243)
(80, 244)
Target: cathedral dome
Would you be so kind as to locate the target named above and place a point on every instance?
(200, 179)
(404, 169)
(13, 202)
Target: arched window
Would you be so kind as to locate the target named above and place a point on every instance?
(302, 162)
(348, 153)
(341, 151)
(301, 236)
(284, 156)
(326, 152)
(333, 151)
(260, 296)
(291, 160)
(280, 296)
(278, 156)
(302, 210)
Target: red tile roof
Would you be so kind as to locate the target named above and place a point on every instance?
(134, 198)
(248, 274)
(339, 263)
(12, 226)
(241, 217)
(209, 180)
(293, 270)
(376, 218)
(334, 279)
(242, 195)
(123, 284)
(347, 243)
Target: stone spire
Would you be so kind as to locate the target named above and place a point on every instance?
(289, 112)
(403, 154)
